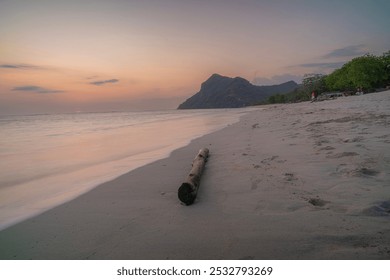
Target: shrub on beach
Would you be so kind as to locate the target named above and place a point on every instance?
(366, 72)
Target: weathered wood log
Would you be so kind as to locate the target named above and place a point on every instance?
(189, 189)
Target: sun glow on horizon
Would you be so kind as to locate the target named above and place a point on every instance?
(121, 52)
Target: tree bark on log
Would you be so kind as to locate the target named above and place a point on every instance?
(189, 189)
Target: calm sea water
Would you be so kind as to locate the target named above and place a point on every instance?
(50, 159)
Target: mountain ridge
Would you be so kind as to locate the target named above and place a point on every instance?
(224, 92)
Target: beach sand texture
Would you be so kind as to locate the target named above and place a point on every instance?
(294, 181)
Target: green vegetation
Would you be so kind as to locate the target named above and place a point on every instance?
(385, 58)
(298, 95)
(367, 72)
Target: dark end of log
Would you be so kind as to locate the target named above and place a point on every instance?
(186, 194)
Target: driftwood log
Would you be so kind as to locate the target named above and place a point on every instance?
(189, 189)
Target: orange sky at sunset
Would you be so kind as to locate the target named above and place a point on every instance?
(68, 56)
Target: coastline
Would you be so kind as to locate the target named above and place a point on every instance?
(40, 171)
(294, 181)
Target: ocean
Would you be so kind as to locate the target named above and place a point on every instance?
(47, 160)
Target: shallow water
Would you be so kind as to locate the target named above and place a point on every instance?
(50, 159)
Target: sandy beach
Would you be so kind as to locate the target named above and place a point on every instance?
(291, 181)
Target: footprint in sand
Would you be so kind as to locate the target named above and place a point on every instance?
(321, 141)
(357, 172)
(384, 137)
(327, 148)
(255, 184)
(379, 210)
(344, 154)
(268, 160)
(353, 140)
(317, 202)
(294, 135)
(289, 177)
(365, 172)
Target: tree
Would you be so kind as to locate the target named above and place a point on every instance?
(367, 71)
(385, 58)
(314, 82)
(272, 99)
(338, 80)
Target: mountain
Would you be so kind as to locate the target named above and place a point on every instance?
(224, 92)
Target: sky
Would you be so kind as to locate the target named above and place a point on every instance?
(92, 55)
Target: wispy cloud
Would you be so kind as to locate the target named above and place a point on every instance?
(323, 65)
(337, 54)
(103, 82)
(349, 51)
(36, 89)
(91, 77)
(20, 66)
